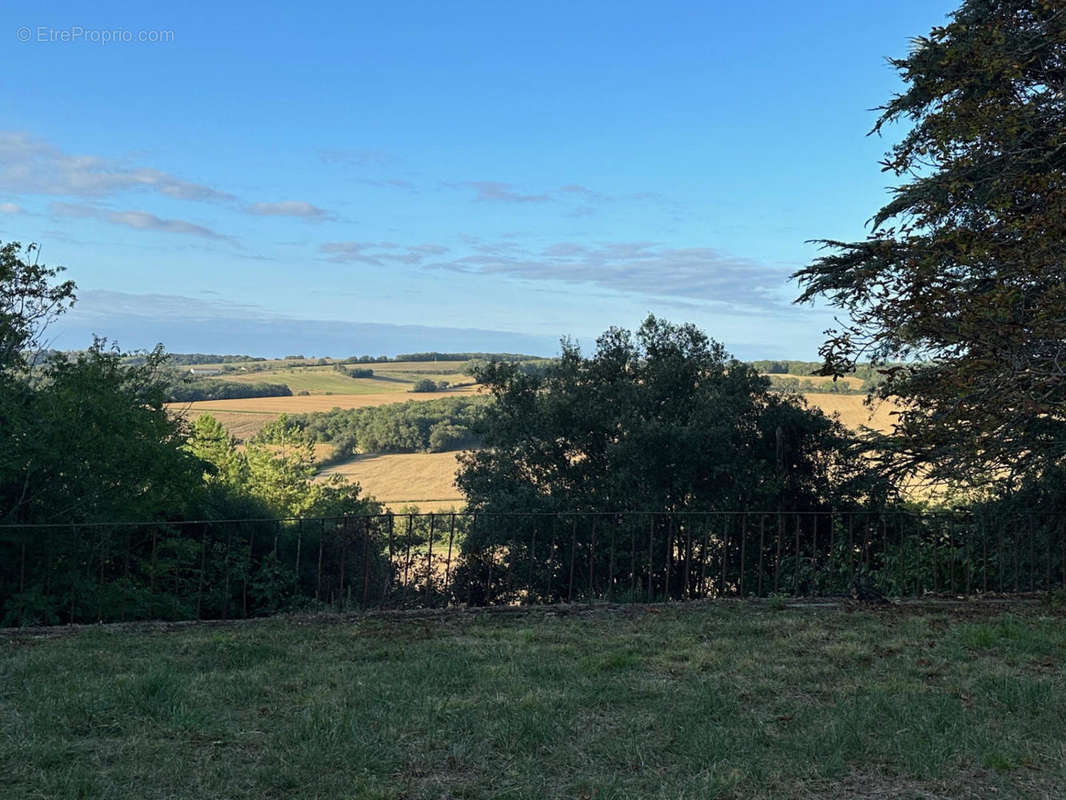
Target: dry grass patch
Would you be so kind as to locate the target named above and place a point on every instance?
(853, 411)
(401, 479)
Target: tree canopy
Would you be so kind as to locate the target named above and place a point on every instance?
(86, 436)
(659, 420)
(963, 275)
(30, 298)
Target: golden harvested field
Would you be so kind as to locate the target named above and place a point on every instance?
(400, 479)
(853, 411)
(240, 424)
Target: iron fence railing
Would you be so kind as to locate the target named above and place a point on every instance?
(240, 568)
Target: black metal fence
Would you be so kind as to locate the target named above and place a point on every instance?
(241, 568)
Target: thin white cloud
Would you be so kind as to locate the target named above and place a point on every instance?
(696, 275)
(355, 157)
(106, 303)
(391, 183)
(32, 166)
(138, 220)
(700, 274)
(495, 191)
(288, 208)
(10, 208)
(360, 252)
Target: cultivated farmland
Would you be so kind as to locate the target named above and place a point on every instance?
(853, 411)
(422, 479)
(243, 418)
(398, 479)
(391, 376)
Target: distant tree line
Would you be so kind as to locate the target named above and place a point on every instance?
(435, 356)
(524, 365)
(194, 391)
(795, 385)
(432, 426)
(182, 360)
(865, 371)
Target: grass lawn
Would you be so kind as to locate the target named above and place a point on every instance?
(700, 701)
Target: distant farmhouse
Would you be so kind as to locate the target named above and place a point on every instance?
(202, 371)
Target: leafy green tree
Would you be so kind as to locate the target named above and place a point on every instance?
(29, 300)
(213, 445)
(662, 420)
(93, 441)
(964, 273)
(282, 475)
(425, 385)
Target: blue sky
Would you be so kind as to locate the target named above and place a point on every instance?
(504, 173)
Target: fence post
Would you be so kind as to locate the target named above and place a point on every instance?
(1017, 561)
(73, 587)
(951, 553)
(668, 566)
(1032, 554)
(203, 570)
(229, 548)
(318, 572)
(592, 560)
(686, 594)
(780, 534)
(632, 562)
(247, 571)
(470, 582)
(573, 553)
(762, 546)
(299, 544)
(1047, 561)
(743, 551)
(492, 563)
(851, 548)
(797, 559)
(155, 562)
(703, 553)
(392, 561)
(651, 548)
(610, 561)
(726, 520)
(532, 557)
(551, 554)
(448, 563)
(407, 556)
(22, 562)
(344, 561)
(429, 557)
(366, 562)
